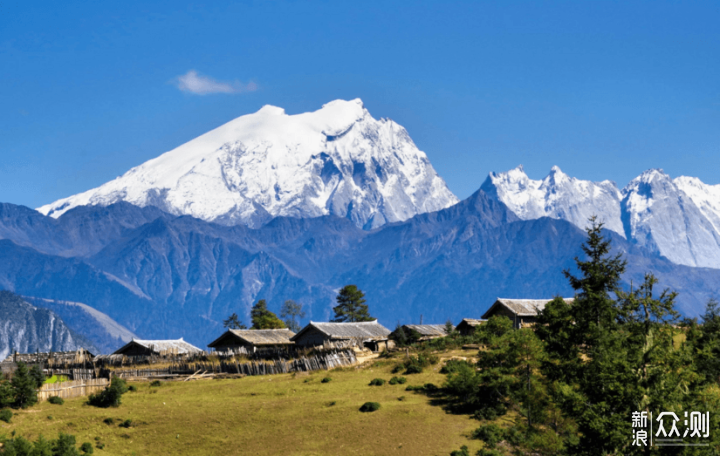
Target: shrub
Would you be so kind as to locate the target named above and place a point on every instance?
(430, 388)
(110, 396)
(369, 407)
(132, 388)
(330, 404)
(491, 434)
(108, 421)
(126, 423)
(398, 369)
(87, 448)
(57, 400)
(463, 451)
(50, 417)
(453, 365)
(325, 380)
(100, 446)
(156, 383)
(397, 380)
(377, 382)
(64, 445)
(414, 388)
(413, 369)
(401, 398)
(6, 415)
(486, 452)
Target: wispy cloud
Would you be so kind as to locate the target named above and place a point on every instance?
(194, 82)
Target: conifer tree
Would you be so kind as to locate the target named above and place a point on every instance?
(233, 322)
(262, 318)
(37, 375)
(23, 387)
(351, 305)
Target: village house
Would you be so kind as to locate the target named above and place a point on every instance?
(468, 325)
(370, 334)
(522, 312)
(252, 339)
(137, 347)
(418, 333)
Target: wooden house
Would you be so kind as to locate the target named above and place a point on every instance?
(252, 339)
(137, 347)
(369, 334)
(522, 312)
(417, 333)
(468, 325)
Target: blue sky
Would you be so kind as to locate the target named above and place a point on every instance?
(602, 89)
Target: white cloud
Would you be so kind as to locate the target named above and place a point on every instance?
(193, 82)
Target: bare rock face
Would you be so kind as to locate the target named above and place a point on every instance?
(338, 160)
(678, 219)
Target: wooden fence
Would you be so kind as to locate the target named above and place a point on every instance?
(304, 364)
(72, 388)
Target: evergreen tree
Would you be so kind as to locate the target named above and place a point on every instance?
(291, 312)
(233, 322)
(705, 340)
(351, 305)
(65, 445)
(110, 396)
(399, 336)
(37, 375)
(262, 318)
(7, 394)
(42, 447)
(24, 388)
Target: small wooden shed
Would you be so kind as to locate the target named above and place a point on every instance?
(137, 347)
(370, 334)
(252, 339)
(468, 325)
(522, 312)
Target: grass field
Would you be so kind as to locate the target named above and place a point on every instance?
(266, 415)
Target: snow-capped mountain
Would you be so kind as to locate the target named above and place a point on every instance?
(557, 196)
(338, 160)
(679, 219)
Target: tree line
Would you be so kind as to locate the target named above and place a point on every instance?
(351, 307)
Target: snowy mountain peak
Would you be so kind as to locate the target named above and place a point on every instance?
(337, 160)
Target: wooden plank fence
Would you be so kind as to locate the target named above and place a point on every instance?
(312, 363)
(73, 388)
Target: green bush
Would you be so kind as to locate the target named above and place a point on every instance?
(491, 434)
(370, 407)
(430, 388)
(453, 365)
(463, 451)
(401, 398)
(325, 380)
(100, 446)
(132, 388)
(413, 369)
(108, 421)
(397, 369)
(398, 380)
(377, 382)
(57, 400)
(49, 417)
(155, 383)
(87, 448)
(126, 424)
(330, 404)
(110, 396)
(6, 415)
(414, 388)
(486, 452)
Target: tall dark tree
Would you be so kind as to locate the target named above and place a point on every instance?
(233, 322)
(351, 305)
(37, 375)
(291, 313)
(705, 340)
(23, 386)
(262, 318)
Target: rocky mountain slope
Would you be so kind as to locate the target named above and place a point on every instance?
(676, 218)
(26, 329)
(338, 160)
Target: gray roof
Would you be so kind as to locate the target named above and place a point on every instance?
(471, 321)
(522, 307)
(180, 345)
(428, 330)
(259, 336)
(356, 330)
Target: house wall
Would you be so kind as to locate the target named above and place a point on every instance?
(311, 337)
(465, 329)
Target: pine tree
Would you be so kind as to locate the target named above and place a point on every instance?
(262, 318)
(233, 322)
(705, 340)
(37, 375)
(23, 386)
(351, 305)
(291, 312)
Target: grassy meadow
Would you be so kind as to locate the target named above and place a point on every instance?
(265, 415)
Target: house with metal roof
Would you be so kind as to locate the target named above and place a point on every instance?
(137, 347)
(467, 326)
(252, 339)
(417, 333)
(363, 333)
(522, 312)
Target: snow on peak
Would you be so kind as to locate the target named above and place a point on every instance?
(679, 219)
(557, 196)
(337, 160)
